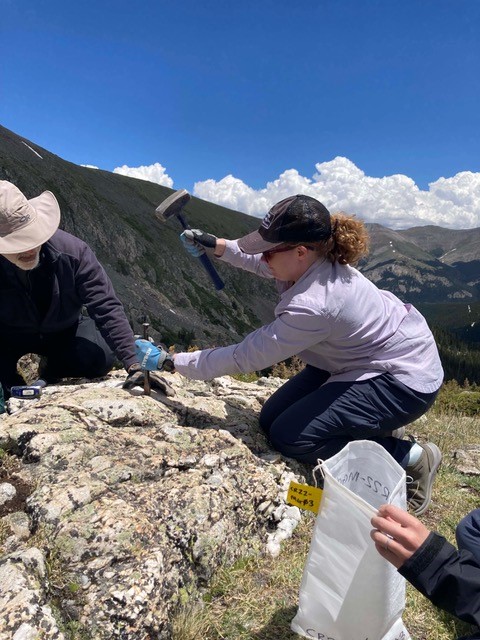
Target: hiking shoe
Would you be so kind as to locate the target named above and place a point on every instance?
(422, 475)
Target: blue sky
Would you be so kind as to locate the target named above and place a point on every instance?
(362, 103)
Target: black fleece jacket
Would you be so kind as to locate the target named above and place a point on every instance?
(448, 578)
(50, 298)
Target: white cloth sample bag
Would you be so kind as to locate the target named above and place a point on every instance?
(348, 591)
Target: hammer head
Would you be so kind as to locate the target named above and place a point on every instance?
(173, 205)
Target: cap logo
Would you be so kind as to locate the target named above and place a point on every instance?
(268, 219)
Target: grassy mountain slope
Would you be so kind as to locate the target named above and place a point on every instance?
(154, 276)
(150, 270)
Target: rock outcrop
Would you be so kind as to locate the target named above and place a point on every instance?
(118, 507)
(467, 460)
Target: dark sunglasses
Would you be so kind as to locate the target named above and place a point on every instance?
(268, 254)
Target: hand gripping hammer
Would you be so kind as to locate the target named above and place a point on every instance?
(172, 206)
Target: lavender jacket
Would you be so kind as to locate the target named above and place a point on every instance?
(335, 319)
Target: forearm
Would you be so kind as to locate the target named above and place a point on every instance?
(272, 343)
(116, 331)
(232, 254)
(448, 578)
(220, 247)
(196, 242)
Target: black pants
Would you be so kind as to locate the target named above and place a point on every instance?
(468, 534)
(309, 418)
(76, 352)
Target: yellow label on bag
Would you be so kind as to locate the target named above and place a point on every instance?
(304, 496)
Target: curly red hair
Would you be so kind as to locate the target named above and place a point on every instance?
(349, 241)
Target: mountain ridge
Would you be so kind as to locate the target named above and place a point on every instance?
(154, 277)
(150, 270)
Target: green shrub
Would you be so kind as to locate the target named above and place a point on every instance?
(287, 368)
(459, 399)
(246, 377)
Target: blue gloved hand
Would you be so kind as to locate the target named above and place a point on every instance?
(195, 241)
(153, 358)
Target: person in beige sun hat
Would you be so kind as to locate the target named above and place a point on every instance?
(47, 277)
(26, 224)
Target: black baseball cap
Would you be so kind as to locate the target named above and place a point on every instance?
(295, 219)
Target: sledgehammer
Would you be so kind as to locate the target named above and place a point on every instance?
(173, 206)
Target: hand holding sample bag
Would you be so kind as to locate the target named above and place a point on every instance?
(348, 591)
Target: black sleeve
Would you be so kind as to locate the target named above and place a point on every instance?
(96, 292)
(450, 579)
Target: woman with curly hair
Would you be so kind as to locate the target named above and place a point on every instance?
(371, 363)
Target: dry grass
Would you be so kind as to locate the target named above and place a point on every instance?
(256, 599)
(9, 464)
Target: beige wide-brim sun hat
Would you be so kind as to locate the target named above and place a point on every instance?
(26, 224)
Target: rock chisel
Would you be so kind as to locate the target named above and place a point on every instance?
(146, 379)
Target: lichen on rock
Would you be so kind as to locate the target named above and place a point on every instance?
(135, 501)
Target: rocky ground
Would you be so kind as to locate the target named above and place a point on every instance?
(116, 507)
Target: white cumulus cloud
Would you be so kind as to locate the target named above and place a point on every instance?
(153, 173)
(394, 201)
